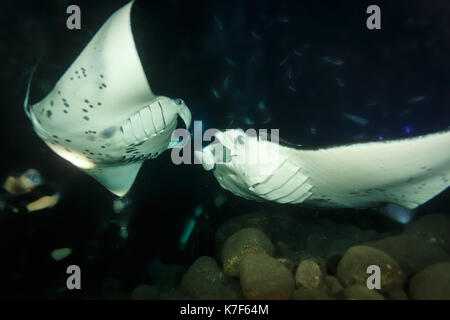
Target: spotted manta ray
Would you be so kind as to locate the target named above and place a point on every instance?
(102, 115)
(405, 172)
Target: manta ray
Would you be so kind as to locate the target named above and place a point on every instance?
(102, 115)
(406, 172)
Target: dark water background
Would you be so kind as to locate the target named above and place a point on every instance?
(184, 52)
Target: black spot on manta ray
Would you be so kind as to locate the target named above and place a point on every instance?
(86, 100)
(85, 110)
(51, 103)
(49, 114)
(65, 111)
(68, 140)
(108, 132)
(86, 118)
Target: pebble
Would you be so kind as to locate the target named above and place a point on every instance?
(239, 245)
(205, 280)
(308, 275)
(413, 253)
(263, 277)
(352, 269)
(432, 283)
(333, 285)
(252, 220)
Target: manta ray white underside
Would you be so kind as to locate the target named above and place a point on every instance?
(405, 172)
(102, 115)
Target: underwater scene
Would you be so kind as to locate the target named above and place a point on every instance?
(225, 150)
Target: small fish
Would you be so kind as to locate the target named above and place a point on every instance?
(313, 130)
(417, 99)
(405, 112)
(261, 105)
(283, 20)
(189, 227)
(359, 137)
(123, 232)
(120, 203)
(248, 121)
(372, 102)
(198, 211)
(187, 232)
(215, 93)
(291, 87)
(335, 61)
(230, 61)
(226, 82)
(60, 254)
(219, 200)
(262, 16)
(268, 120)
(289, 73)
(340, 82)
(255, 35)
(407, 129)
(283, 61)
(298, 53)
(356, 119)
(218, 23)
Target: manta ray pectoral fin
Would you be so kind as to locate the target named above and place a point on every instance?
(117, 179)
(406, 172)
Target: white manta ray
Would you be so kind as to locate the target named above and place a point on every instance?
(102, 115)
(405, 172)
